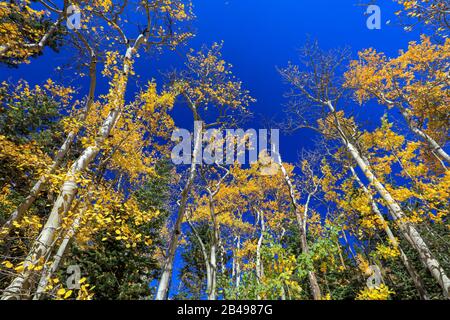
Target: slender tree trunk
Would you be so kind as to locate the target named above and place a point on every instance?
(259, 266)
(406, 228)
(233, 265)
(222, 258)
(60, 155)
(347, 243)
(209, 280)
(213, 270)
(47, 274)
(213, 250)
(238, 265)
(301, 220)
(42, 42)
(341, 257)
(434, 146)
(43, 244)
(163, 287)
(418, 283)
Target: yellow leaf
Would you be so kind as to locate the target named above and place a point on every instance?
(19, 268)
(68, 294)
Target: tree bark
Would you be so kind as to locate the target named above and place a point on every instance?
(164, 282)
(418, 283)
(406, 228)
(44, 243)
(206, 258)
(48, 272)
(301, 221)
(259, 266)
(213, 249)
(238, 264)
(434, 146)
(60, 155)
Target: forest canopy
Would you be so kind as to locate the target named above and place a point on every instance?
(93, 205)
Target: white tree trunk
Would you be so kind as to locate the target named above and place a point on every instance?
(213, 271)
(259, 266)
(406, 228)
(418, 283)
(166, 276)
(44, 243)
(238, 265)
(434, 146)
(301, 220)
(60, 155)
(206, 258)
(48, 272)
(213, 249)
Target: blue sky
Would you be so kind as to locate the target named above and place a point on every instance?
(258, 35)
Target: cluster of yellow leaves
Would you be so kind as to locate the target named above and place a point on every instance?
(280, 268)
(135, 140)
(109, 211)
(71, 124)
(315, 223)
(210, 80)
(104, 5)
(57, 91)
(387, 252)
(111, 66)
(24, 157)
(363, 265)
(5, 197)
(28, 227)
(21, 89)
(427, 11)
(328, 182)
(408, 4)
(20, 267)
(388, 149)
(248, 249)
(85, 292)
(417, 79)
(328, 125)
(177, 9)
(31, 222)
(379, 293)
(358, 205)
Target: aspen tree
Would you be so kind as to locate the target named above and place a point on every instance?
(115, 104)
(207, 81)
(301, 221)
(416, 83)
(320, 87)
